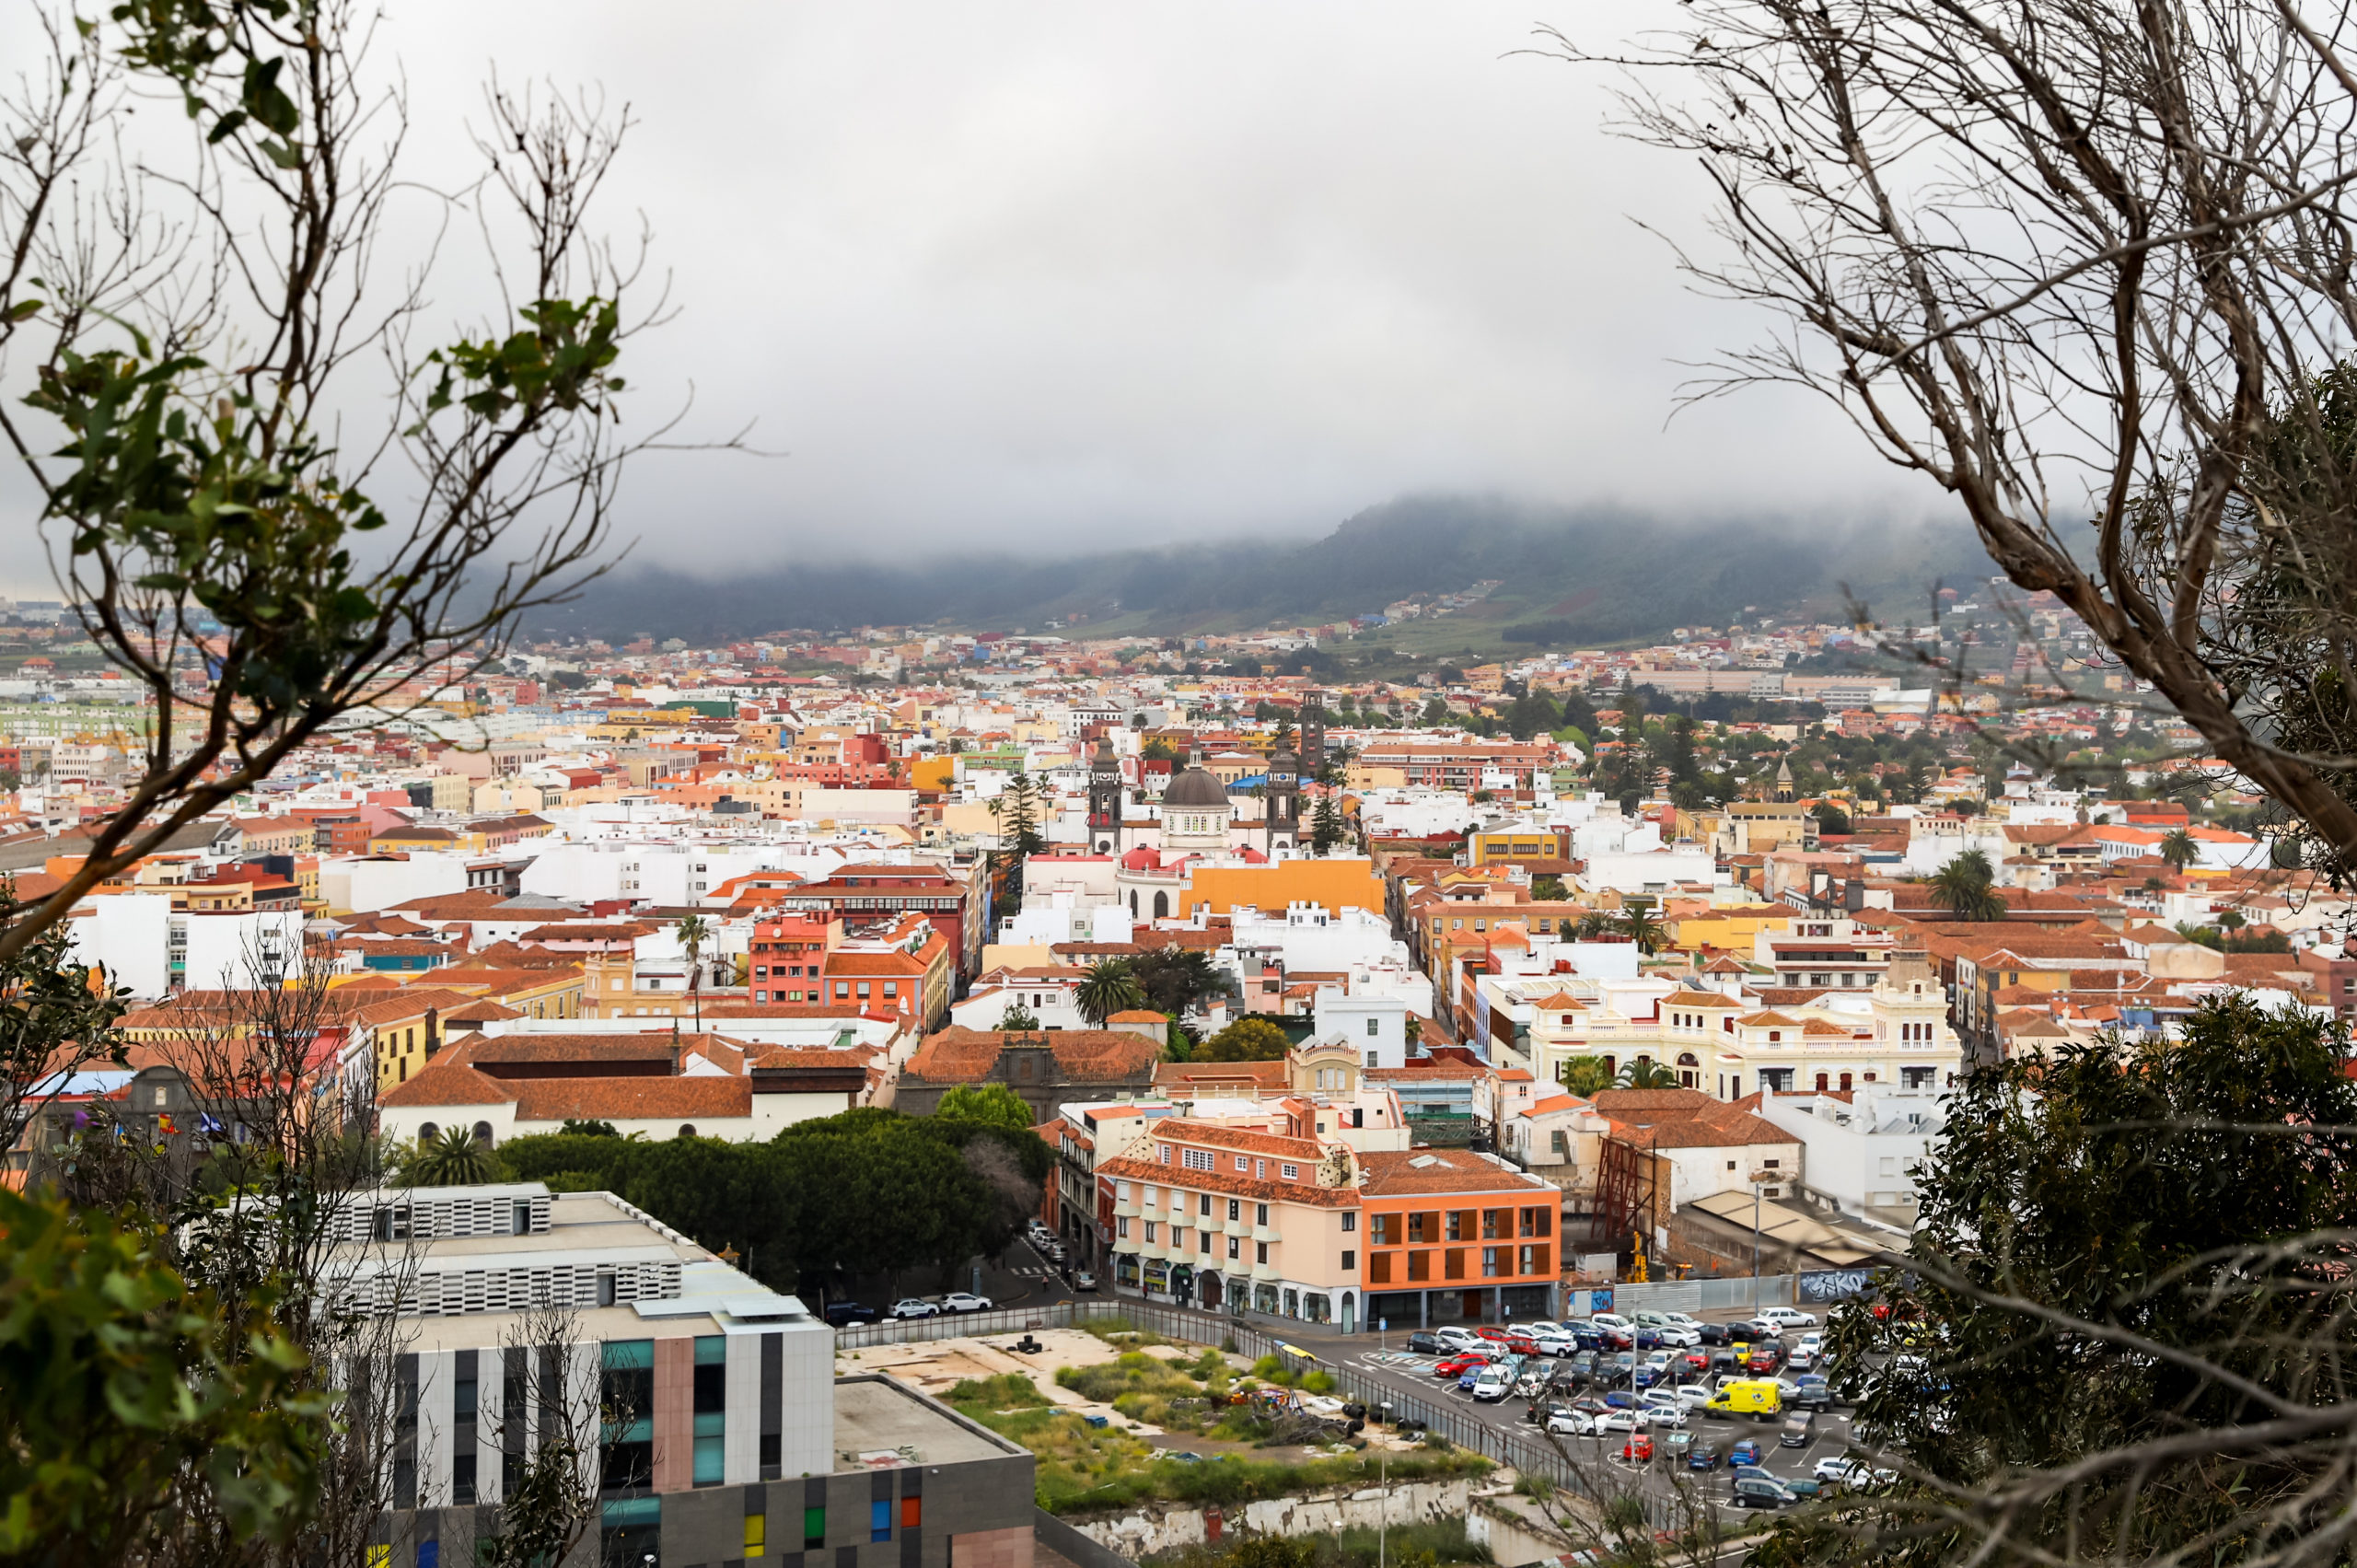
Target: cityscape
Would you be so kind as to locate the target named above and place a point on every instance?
(898, 787)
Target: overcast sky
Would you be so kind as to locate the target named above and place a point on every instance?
(1095, 273)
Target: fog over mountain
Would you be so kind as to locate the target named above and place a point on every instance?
(1568, 575)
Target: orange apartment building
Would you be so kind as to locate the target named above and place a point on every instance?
(1230, 1220)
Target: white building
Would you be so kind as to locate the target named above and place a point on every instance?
(1864, 1150)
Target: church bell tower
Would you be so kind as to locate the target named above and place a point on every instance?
(1313, 733)
(1105, 799)
(1284, 801)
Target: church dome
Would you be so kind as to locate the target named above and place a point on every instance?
(1195, 790)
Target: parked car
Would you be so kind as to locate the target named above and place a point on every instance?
(1667, 1331)
(1457, 1338)
(1084, 1280)
(1571, 1423)
(1800, 1429)
(1803, 1489)
(1786, 1317)
(842, 1314)
(1702, 1457)
(1693, 1396)
(1665, 1415)
(913, 1307)
(1766, 1357)
(1800, 1358)
(1492, 1383)
(1813, 1342)
(963, 1301)
(1811, 1394)
(1495, 1334)
(1553, 1340)
(1838, 1471)
(1760, 1491)
(1421, 1343)
(1639, 1450)
(1712, 1333)
(1747, 1452)
(1614, 1423)
(1458, 1365)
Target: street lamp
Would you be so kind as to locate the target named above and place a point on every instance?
(1759, 1177)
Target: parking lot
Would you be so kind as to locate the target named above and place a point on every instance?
(1413, 1376)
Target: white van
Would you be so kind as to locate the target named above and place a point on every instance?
(1495, 1382)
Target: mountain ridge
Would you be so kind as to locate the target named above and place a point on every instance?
(1592, 575)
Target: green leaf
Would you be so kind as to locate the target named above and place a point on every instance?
(24, 311)
(227, 126)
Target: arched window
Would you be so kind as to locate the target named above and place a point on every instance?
(1161, 906)
(687, 1129)
(1845, 1082)
(1824, 1082)
(427, 1131)
(1689, 1069)
(1133, 903)
(482, 1133)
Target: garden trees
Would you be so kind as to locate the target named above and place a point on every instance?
(1966, 887)
(2179, 849)
(1585, 1076)
(1017, 1018)
(1247, 1039)
(1110, 987)
(2161, 1229)
(1328, 827)
(451, 1158)
(993, 1105)
(1177, 981)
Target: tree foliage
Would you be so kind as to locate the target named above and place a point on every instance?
(1247, 1039)
(993, 1105)
(127, 1401)
(2127, 1308)
(1110, 987)
(1966, 887)
(802, 1207)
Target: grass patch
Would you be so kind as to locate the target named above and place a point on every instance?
(1085, 1468)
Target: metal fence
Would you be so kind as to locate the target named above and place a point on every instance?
(1705, 1298)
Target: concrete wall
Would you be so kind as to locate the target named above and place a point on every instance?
(1160, 1527)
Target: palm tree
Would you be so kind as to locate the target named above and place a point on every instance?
(451, 1159)
(1638, 924)
(1110, 988)
(2179, 849)
(694, 933)
(1966, 887)
(1584, 1075)
(1645, 1073)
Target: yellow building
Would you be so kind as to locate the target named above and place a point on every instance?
(1729, 930)
(1336, 883)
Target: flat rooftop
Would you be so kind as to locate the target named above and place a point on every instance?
(874, 1415)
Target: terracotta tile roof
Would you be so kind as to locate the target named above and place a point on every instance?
(446, 1082)
(616, 1099)
(1261, 1075)
(1427, 1073)
(960, 1055)
(1398, 1173)
(1210, 1134)
(1230, 1182)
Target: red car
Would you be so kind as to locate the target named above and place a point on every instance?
(1766, 1358)
(1458, 1365)
(1499, 1335)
